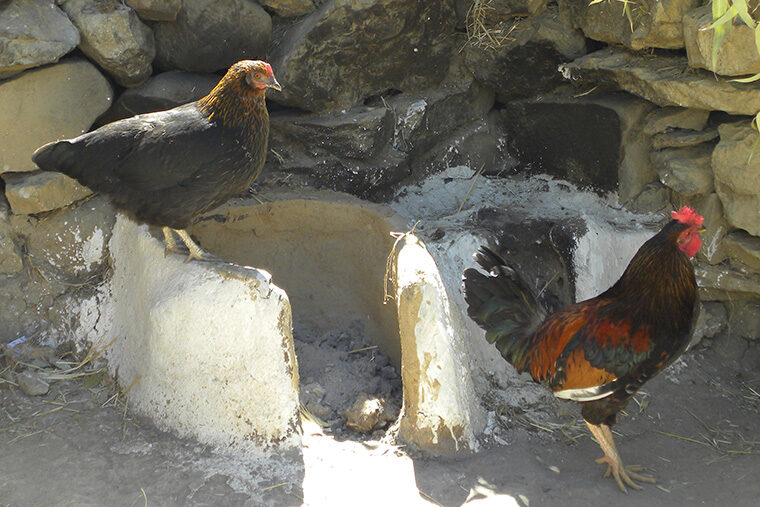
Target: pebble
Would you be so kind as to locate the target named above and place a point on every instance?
(31, 383)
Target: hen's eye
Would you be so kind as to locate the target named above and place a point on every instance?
(257, 75)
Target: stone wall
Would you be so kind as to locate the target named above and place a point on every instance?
(380, 93)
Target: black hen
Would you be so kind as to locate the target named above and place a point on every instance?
(169, 167)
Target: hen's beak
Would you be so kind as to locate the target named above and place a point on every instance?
(271, 82)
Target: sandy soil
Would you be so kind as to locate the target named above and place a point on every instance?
(696, 430)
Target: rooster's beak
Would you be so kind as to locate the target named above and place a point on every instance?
(701, 230)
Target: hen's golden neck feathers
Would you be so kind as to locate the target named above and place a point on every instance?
(232, 102)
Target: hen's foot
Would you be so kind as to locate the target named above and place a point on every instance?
(187, 247)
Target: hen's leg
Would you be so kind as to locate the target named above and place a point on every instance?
(171, 244)
(196, 252)
(603, 435)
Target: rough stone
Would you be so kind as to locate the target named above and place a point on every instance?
(43, 105)
(366, 414)
(10, 252)
(422, 119)
(743, 250)
(29, 353)
(719, 283)
(654, 198)
(348, 51)
(651, 23)
(680, 138)
(70, 245)
(476, 145)
(289, 8)
(160, 92)
(666, 118)
(687, 171)
(156, 10)
(211, 345)
(551, 134)
(525, 64)
(348, 152)
(494, 12)
(204, 39)
(25, 300)
(737, 175)
(737, 55)
(730, 346)
(32, 33)
(31, 383)
(359, 133)
(40, 191)
(713, 249)
(114, 37)
(744, 319)
(711, 321)
(664, 80)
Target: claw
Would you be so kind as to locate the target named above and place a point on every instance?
(622, 475)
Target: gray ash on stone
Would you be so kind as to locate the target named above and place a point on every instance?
(335, 374)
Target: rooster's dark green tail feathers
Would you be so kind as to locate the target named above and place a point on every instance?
(502, 304)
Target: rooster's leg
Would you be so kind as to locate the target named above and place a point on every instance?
(603, 435)
(196, 252)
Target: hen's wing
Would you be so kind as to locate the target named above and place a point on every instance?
(145, 153)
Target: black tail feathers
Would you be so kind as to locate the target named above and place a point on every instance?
(503, 305)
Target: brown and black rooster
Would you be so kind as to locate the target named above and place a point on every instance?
(168, 167)
(600, 351)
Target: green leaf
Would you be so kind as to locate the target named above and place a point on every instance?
(757, 38)
(595, 2)
(719, 34)
(750, 79)
(725, 18)
(743, 10)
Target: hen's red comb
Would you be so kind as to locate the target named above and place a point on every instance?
(270, 72)
(687, 215)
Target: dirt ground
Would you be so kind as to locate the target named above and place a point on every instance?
(695, 428)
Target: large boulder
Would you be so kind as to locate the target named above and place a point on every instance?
(114, 37)
(160, 92)
(594, 141)
(665, 80)
(719, 283)
(737, 55)
(525, 63)
(347, 51)
(716, 227)
(350, 151)
(737, 175)
(207, 38)
(743, 250)
(687, 171)
(40, 191)
(664, 119)
(647, 24)
(156, 10)
(289, 8)
(43, 105)
(32, 33)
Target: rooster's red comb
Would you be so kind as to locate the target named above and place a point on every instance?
(687, 215)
